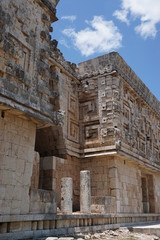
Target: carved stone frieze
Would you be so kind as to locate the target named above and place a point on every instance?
(128, 114)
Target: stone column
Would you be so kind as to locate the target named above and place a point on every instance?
(85, 192)
(66, 195)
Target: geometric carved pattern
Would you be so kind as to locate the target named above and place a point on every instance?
(21, 52)
(88, 110)
(126, 112)
(91, 133)
(73, 128)
(73, 107)
(140, 127)
(73, 131)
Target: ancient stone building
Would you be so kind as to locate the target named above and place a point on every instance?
(57, 119)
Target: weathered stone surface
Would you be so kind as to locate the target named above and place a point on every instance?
(66, 195)
(43, 201)
(57, 119)
(123, 111)
(25, 76)
(85, 192)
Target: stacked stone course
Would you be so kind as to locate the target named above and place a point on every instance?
(58, 119)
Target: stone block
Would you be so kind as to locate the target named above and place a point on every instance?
(25, 201)
(10, 163)
(27, 173)
(40, 225)
(2, 147)
(3, 228)
(34, 225)
(73, 222)
(5, 206)
(113, 183)
(48, 163)
(15, 207)
(46, 224)
(9, 191)
(43, 201)
(27, 226)
(118, 206)
(15, 226)
(103, 205)
(52, 224)
(2, 192)
(113, 172)
(60, 224)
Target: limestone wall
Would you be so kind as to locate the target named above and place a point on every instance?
(129, 192)
(17, 139)
(53, 169)
(120, 185)
(99, 169)
(104, 184)
(117, 180)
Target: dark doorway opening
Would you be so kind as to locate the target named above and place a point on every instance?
(148, 199)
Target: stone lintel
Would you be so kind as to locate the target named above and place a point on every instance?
(41, 119)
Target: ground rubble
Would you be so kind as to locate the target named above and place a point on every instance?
(119, 234)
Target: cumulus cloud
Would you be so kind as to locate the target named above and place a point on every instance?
(148, 11)
(71, 18)
(64, 43)
(121, 15)
(100, 36)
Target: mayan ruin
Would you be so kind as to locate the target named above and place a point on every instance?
(79, 145)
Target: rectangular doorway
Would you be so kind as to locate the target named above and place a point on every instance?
(148, 199)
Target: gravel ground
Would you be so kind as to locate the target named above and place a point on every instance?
(119, 234)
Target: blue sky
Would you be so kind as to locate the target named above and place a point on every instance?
(90, 28)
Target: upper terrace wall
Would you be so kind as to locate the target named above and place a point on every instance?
(25, 74)
(35, 78)
(117, 110)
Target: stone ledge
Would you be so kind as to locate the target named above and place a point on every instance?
(76, 215)
(61, 232)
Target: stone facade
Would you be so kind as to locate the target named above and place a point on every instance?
(117, 121)
(57, 119)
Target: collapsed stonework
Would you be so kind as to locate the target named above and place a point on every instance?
(57, 119)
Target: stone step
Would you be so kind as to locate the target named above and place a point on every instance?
(147, 229)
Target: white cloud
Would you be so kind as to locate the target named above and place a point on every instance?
(101, 36)
(71, 18)
(146, 29)
(64, 43)
(121, 15)
(148, 11)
